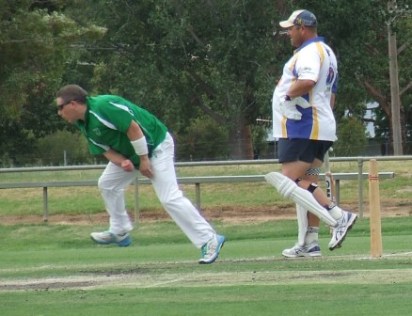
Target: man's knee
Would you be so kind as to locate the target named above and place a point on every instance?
(106, 184)
(170, 198)
(311, 187)
(102, 183)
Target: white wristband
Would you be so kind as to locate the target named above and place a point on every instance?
(140, 146)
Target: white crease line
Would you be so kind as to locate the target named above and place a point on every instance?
(164, 283)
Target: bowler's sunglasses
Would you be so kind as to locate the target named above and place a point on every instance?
(61, 106)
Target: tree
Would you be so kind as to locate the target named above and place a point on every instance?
(203, 139)
(188, 58)
(358, 32)
(351, 138)
(397, 123)
(219, 58)
(35, 44)
(62, 147)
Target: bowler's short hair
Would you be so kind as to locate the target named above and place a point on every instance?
(72, 92)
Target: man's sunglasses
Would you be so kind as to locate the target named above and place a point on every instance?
(61, 106)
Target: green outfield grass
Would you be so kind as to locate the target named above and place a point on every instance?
(55, 269)
(87, 200)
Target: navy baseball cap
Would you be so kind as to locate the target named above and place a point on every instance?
(300, 17)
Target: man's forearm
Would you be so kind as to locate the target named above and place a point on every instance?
(300, 87)
(114, 157)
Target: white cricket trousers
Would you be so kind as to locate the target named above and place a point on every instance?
(114, 180)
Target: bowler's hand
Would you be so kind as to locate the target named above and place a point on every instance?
(145, 166)
(127, 165)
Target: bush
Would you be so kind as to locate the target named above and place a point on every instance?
(63, 148)
(204, 140)
(351, 138)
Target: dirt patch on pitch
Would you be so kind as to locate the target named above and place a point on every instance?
(233, 278)
(229, 214)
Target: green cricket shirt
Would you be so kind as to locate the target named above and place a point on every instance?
(106, 123)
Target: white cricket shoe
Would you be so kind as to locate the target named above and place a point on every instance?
(339, 232)
(311, 250)
(106, 237)
(211, 249)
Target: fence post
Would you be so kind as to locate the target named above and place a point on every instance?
(197, 186)
(45, 205)
(360, 186)
(136, 200)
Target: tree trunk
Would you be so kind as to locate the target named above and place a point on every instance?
(394, 85)
(240, 142)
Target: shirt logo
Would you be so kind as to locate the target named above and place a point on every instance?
(96, 130)
(331, 76)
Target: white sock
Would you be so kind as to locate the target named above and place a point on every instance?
(312, 235)
(336, 212)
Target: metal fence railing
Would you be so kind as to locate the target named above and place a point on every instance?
(359, 160)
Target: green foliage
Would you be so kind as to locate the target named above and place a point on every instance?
(185, 59)
(402, 23)
(54, 269)
(203, 139)
(259, 136)
(219, 57)
(62, 147)
(35, 43)
(351, 138)
(357, 30)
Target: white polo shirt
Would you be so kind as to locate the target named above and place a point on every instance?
(314, 60)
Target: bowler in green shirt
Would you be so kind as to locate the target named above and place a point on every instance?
(132, 139)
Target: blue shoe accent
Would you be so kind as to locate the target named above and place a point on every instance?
(106, 238)
(125, 242)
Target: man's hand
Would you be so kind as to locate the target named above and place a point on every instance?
(289, 110)
(127, 165)
(145, 166)
(138, 141)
